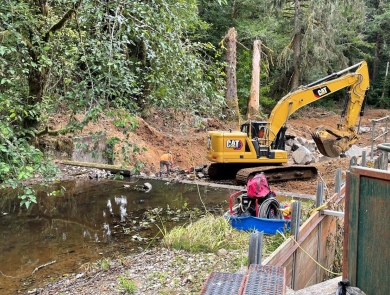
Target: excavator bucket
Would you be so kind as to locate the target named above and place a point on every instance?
(327, 147)
(331, 142)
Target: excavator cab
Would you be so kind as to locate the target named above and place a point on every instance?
(254, 129)
(260, 131)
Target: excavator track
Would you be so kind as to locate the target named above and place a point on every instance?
(218, 171)
(278, 173)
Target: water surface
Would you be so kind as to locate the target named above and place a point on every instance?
(91, 220)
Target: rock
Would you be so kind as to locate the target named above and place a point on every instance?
(222, 252)
(191, 176)
(188, 279)
(354, 151)
(295, 146)
(303, 156)
(147, 187)
(289, 142)
(364, 129)
(301, 140)
(310, 145)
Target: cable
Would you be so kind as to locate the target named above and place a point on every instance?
(266, 208)
(334, 273)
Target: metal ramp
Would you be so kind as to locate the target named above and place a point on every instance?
(220, 283)
(260, 280)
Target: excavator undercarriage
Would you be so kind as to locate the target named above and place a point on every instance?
(274, 173)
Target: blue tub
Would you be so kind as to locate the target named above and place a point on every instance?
(251, 223)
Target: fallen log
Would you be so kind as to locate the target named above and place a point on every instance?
(126, 171)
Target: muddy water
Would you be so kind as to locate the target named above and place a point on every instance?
(91, 220)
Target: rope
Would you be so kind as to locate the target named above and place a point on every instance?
(324, 268)
(242, 207)
(319, 208)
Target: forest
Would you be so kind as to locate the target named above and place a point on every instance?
(126, 58)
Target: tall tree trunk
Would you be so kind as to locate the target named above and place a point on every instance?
(376, 58)
(231, 81)
(385, 81)
(296, 46)
(253, 104)
(38, 75)
(36, 83)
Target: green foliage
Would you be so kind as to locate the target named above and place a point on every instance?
(126, 284)
(104, 263)
(89, 57)
(20, 161)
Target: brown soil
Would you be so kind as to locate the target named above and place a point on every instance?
(186, 136)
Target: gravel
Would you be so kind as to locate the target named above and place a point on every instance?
(156, 271)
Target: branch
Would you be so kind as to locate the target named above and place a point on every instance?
(43, 265)
(50, 132)
(62, 22)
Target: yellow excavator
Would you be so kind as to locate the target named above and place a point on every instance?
(259, 146)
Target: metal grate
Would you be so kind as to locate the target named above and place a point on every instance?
(265, 280)
(219, 283)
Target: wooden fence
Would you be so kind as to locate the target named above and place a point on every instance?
(313, 245)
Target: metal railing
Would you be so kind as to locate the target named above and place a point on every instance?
(384, 134)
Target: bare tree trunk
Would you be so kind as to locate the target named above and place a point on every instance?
(385, 81)
(376, 58)
(231, 82)
(296, 46)
(253, 104)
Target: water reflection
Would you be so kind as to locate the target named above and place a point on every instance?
(93, 219)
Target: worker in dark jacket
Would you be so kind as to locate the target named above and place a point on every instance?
(166, 160)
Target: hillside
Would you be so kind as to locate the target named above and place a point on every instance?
(186, 136)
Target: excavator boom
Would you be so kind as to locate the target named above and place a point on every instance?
(330, 141)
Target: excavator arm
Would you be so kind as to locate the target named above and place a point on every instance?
(330, 141)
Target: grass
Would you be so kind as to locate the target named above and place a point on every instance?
(212, 233)
(126, 284)
(207, 234)
(104, 263)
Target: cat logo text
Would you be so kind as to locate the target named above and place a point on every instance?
(234, 144)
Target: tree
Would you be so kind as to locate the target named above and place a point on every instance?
(92, 57)
(231, 84)
(253, 104)
(377, 29)
(322, 35)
